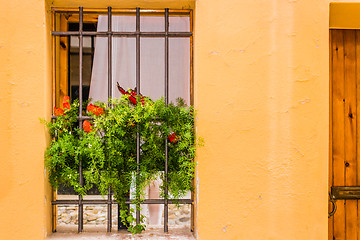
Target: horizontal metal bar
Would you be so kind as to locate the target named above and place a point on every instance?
(164, 34)
(124, 34)
(129, 201)
(345, 192)
(114, 10)
(78, 118)
(76, 33)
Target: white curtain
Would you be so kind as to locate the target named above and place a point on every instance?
(152, 69)
(152, 63)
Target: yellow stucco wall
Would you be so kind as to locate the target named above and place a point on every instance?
(261, 90)
(262, 85)
(24, 97)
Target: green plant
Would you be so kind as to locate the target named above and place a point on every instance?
(106, 147)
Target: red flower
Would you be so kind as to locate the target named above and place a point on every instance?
(87, 126)
(90, 107)
(95, 109)
(58, 111)
(132, 95)
(99, 111)
(173, 138)
(66, 105)
(133, 98)
(66, 102)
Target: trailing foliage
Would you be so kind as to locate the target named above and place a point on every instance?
(106, 148)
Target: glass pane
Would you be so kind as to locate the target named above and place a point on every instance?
(74, 44)
(152, 23)
(152, 67)
(179, 24)
(73, 61)
(123, 23)
(120, 23)
(71, 22)
(123, 67)
(179, 69)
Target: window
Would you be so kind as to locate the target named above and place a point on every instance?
(94, 49)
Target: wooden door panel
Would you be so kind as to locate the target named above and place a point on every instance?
(344, 66)
(357, 76)
(350, 131)
(330, 175)
(338, 126)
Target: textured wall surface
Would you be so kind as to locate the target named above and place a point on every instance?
(24, 98)
(262, 84)
(261, 90)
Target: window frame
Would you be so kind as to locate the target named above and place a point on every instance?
(60, 87)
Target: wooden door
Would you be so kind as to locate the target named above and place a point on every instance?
(344, 97)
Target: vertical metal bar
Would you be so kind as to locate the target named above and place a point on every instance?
(191, 61)
(109, 53)
(53, 60)
(192, 104)
(166, 209)
(54, 208)
(57, 61)
(137, 93)
(81, 180)
(109, 98)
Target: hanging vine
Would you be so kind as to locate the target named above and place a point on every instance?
(106, 147)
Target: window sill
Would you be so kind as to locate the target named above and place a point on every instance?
(99, 233)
